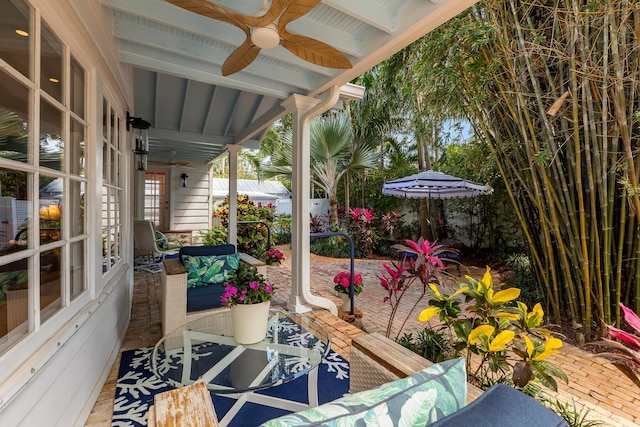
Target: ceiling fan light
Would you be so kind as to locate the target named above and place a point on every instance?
(265, 37)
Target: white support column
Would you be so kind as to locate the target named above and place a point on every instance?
(304, 109)
(233, 192)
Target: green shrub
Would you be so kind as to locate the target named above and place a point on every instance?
(523, 277)
(217, 235)
(252, 238)
(282, 229)
(430, 343)
(334, 246)
(574, 416)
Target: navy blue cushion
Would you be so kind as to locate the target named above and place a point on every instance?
(502, 406)
(204, 297)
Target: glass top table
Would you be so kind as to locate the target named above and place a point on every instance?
(204, 350)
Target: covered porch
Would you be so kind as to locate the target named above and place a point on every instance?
(586, 373)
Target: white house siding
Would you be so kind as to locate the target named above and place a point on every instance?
(190, 206)
(53, 376)
(64, 390)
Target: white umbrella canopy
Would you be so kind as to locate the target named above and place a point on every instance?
(433, 185)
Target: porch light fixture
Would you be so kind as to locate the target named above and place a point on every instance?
(184, 177)
(140, 141)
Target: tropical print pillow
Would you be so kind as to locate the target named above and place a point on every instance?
(418, 400)
(210, 269)
(163, 243)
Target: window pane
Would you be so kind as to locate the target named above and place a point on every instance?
(50, 279)
(77, 87)
(113, 161)
(51, 190)
(14, 293)
(14, 113)
(115, 246)
(76, 269)
(15, 210)
(51, 143)
(76, 148)
(75, 207)
(15, 43)
(51, 80)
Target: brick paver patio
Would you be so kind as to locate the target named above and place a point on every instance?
(593, 382)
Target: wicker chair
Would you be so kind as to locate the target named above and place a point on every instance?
(180, 305)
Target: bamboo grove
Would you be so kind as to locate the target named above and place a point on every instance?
(558, 106)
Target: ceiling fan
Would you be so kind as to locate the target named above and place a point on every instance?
(172, 162)
(268, 30)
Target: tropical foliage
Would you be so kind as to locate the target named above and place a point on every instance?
(497, 331)
(624, 348)
(551, 88)
(417, 268)
(333, 154)
(252, 233)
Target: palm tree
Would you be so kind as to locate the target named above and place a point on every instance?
(333, 155)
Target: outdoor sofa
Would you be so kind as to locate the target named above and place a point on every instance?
(185, 295)
(390, 383)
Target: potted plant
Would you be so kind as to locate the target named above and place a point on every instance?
(273, 256)
(342, 287)
(248, 295)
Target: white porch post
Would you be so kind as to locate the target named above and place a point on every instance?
(304, 109)
(233, 192)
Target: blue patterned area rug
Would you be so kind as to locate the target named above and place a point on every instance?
(137, 385)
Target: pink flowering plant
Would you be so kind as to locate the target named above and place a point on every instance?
(418, 267)
(343, 283)
(362, 231)
(624, 347)
(273, 256)
(247, 286)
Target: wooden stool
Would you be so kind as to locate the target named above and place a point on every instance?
(189, 406)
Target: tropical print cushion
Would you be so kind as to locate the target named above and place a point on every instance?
(163, 243)
(418, 400)
(209, 270)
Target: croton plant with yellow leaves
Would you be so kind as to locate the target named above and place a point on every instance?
(505, 333)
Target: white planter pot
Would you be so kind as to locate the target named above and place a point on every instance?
(250, 322)
(346, 301)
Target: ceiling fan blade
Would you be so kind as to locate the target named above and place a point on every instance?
(240, 58)
(212, 10)
(314, 51)
(296, 9)
(276, 8)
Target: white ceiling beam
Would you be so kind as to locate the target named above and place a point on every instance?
(232, 114)
(210, 110)
(158, 41)
(185, 96)
(262, 122)
(198, 71)
(381, 17)
(186, 136)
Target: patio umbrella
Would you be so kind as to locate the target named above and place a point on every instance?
(433, 185)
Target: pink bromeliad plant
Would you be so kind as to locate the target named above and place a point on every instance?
(417, 268)
(625, 354)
